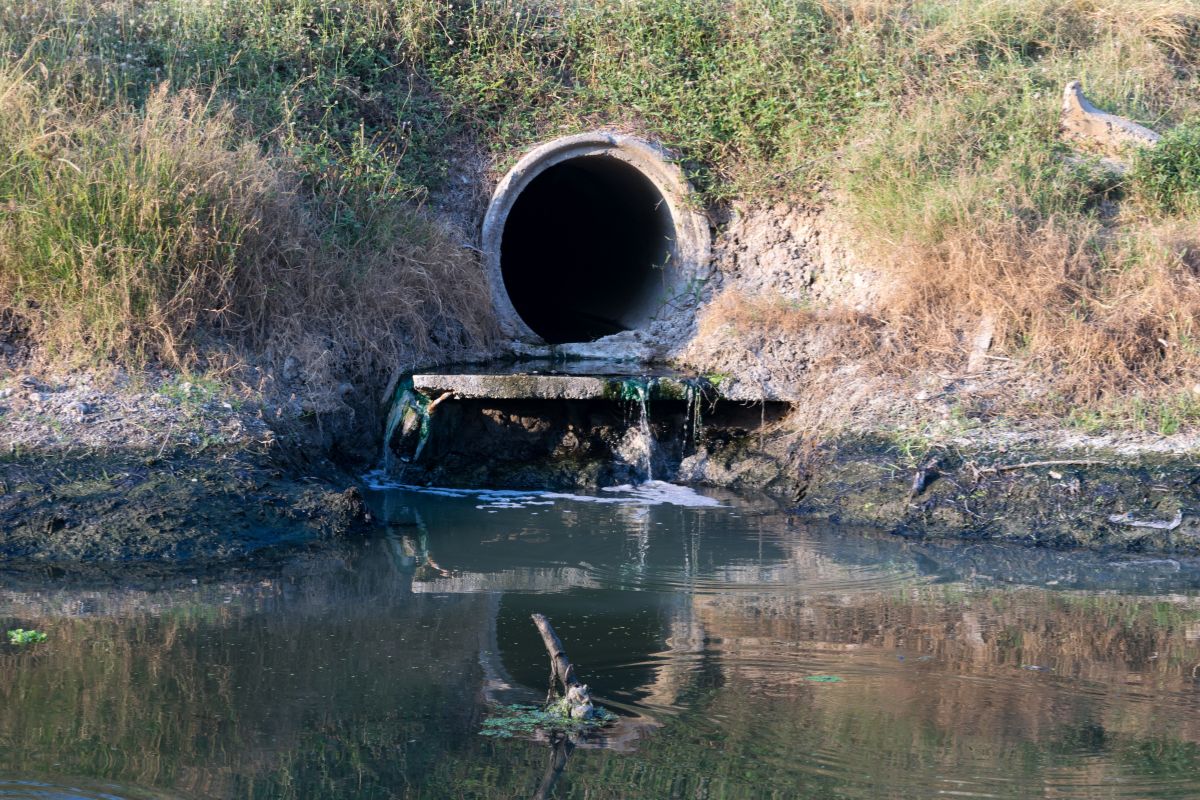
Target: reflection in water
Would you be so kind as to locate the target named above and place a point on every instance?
(970, 670)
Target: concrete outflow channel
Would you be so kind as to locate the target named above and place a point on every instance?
(593, 248)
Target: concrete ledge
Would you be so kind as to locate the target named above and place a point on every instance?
(559, 387)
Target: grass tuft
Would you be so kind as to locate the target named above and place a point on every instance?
(141, 233)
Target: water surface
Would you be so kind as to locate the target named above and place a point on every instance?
(750, 654)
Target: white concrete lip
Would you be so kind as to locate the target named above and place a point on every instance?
(689, 239)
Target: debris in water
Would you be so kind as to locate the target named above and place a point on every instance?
(1161, 525)
(573, 712)
(19, 636)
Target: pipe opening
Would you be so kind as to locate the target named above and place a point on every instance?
(584, 249)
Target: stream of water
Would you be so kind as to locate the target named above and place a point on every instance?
(749, 654)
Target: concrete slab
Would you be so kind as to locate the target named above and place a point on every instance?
(552, 387)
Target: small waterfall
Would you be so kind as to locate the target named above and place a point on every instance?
(638, 446)
(646, 439)
(693, 406)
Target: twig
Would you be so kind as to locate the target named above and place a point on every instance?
(167, 438)
(1028, 464)
(445, 396)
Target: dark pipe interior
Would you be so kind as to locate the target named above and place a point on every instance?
(583, 249)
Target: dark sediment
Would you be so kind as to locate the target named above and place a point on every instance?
(1099, 500)
(180, 511)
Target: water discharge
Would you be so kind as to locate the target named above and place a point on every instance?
(749, 654)
(408, 416)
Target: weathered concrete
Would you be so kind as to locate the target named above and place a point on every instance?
(1087, 125)
(684, 231)
(553, 387)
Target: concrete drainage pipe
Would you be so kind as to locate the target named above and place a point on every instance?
(591, 235)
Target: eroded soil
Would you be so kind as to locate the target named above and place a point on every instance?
(179, 511)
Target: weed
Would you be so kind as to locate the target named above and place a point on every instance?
(1166, 177)
(20, 636)
(519, 720)
(913, 447)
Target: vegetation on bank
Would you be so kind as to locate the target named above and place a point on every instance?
(257, 168)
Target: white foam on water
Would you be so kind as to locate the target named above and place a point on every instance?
(650, 493)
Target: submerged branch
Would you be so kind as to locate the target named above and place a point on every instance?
(577, 702)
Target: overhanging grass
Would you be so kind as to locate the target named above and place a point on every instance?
(935, 120)
(136, 234)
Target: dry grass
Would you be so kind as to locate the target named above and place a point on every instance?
(147, 235)
(778, 345)
(846, 333)
(1098, 318)
(962, 195)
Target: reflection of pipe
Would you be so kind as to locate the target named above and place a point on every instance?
(496, 679)
(560, 751)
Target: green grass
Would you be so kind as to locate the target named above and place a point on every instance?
(20, 636)
(383, 93)
(175, 169)
(1165, 415)
(1167, 177)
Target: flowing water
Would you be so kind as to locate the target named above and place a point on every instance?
(749, 654)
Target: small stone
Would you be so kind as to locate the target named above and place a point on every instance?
(79, 410)
(291, 369)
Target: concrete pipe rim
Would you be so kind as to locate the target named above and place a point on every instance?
(688, 242)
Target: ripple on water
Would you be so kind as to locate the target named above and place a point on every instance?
(650, 493)
(41, 790)
(749, 654)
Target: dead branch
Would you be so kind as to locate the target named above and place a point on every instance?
(578, 699)
(1027, 464)
(560, 666)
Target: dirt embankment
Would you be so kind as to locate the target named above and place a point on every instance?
(1029, 487)
(182, 511)
(163, 473)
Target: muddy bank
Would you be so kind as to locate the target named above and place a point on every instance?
(1034, 495)
(1018, 488)
(178, 511)
(160, 472)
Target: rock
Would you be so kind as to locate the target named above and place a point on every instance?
(1083, 123)
(291, 369)
(79, 410)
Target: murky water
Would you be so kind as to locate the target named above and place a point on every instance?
(749, 654)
